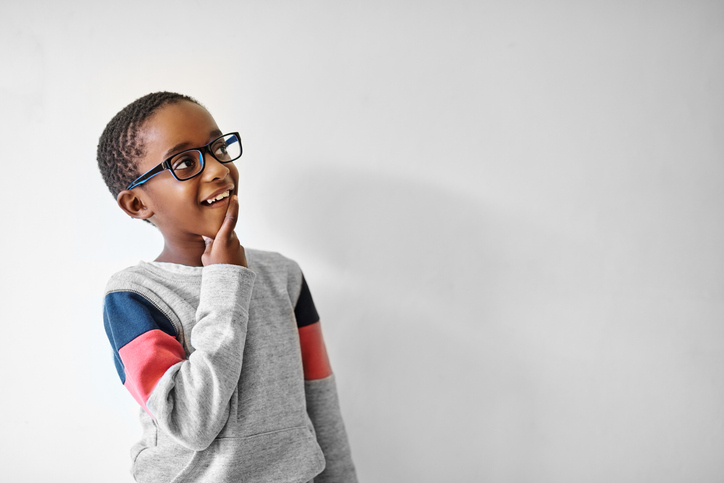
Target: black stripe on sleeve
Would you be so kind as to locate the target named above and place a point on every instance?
(305, 312)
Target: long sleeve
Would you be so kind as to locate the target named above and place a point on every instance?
(188, 397)
(323, 409)
(321, 395)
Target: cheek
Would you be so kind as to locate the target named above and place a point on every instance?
(173, 196)
(234, 173)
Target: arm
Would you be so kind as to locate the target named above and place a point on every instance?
(321, 395)
(187, 397)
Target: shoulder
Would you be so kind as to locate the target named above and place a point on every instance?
(132, 306)
(273, 262)
(136, 279)
(273, 266)
(141, 283)
(127, 279)
(152, 277)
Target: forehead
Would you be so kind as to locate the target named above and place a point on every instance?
(175, 127)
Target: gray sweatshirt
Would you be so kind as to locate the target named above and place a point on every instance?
(212, 355)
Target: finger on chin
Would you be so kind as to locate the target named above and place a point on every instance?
(232, 214)
(233, 208)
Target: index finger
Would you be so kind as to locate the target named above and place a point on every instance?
(232, 214)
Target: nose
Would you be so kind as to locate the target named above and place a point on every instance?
(213, 169)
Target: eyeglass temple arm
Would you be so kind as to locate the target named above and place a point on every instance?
(148, 175)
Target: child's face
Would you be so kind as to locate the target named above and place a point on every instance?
(179, 207)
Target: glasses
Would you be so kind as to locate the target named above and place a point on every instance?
(189, 163)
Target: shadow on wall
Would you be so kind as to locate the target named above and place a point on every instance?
(418, 275)
(411, 241)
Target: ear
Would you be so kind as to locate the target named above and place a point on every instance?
(134, 205)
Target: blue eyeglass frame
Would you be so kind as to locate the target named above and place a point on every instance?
(166, 163)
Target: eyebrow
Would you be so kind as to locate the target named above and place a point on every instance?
(187, 145)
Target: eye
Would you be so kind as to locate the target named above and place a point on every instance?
(185, 162)
(221, 150)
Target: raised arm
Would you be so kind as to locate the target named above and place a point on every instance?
(188, 397)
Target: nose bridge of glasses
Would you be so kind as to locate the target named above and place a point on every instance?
(210, 162)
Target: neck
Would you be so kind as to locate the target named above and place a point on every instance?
(185, 254)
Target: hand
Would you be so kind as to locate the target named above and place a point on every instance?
(225, 246)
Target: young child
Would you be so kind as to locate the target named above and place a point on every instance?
(220, 345)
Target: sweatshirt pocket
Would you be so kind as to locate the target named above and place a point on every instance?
(284, 456)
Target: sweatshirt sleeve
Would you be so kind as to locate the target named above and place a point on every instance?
(188, 397)
(321, 395)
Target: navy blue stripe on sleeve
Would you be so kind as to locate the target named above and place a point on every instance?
(305, 311)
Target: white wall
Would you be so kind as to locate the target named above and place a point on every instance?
(509, 213)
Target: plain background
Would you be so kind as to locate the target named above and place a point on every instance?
(509, 214)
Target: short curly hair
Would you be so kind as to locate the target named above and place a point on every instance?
(120, 146)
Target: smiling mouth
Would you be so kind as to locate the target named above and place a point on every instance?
(222, 196)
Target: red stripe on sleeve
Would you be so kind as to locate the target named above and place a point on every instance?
(314, 353)
(146, 358)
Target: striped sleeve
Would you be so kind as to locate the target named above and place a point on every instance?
(143, 341)
(304, 310)
(314, 353)
(321, 394)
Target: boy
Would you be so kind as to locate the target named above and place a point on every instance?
(221, 346)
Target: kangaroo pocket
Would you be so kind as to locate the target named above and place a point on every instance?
(285, 456)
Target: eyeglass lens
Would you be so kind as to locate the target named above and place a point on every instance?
(190, 163)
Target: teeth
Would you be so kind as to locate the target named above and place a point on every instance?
(223, 195)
